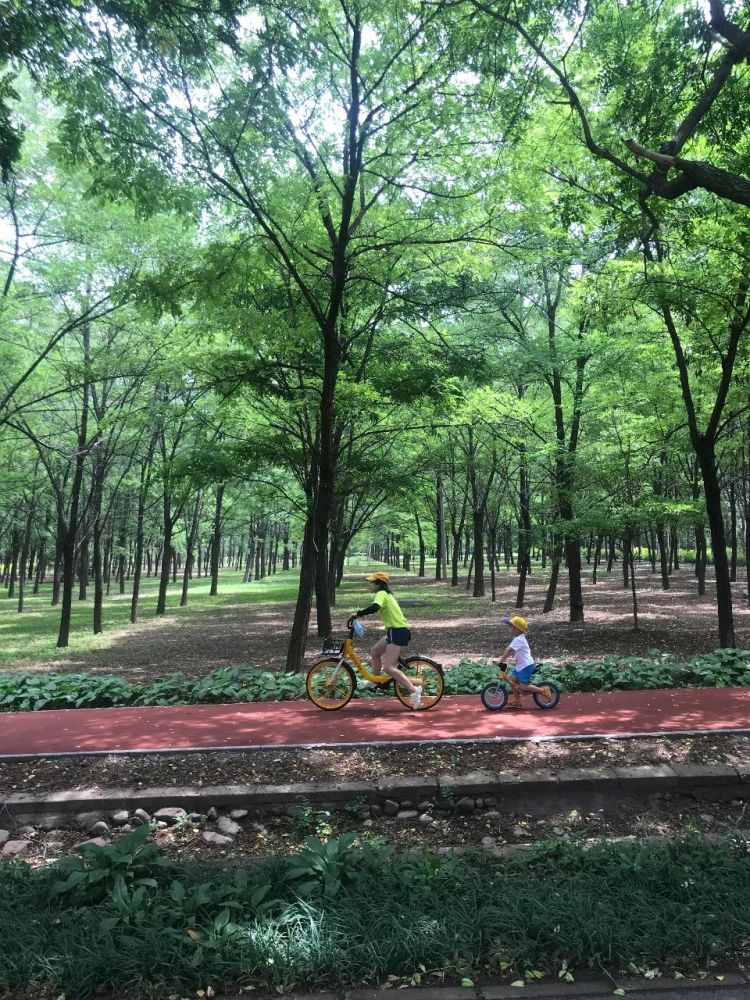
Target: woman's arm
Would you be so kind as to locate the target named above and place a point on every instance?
(369, 610)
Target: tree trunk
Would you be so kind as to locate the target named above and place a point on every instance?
(439, 525)
(68, 531)
(24, 556)
(661, 539)
(216, 544)
(733, 532)
(554, 575)
(712, 495)
(420, 536)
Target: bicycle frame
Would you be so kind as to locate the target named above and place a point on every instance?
(349, 655)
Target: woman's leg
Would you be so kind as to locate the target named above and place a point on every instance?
(390, 661)
(376, 655)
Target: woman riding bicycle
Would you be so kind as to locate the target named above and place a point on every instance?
(386, 651)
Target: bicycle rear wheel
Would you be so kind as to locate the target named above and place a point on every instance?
(330, 684)
(426, 673)
(550, 702)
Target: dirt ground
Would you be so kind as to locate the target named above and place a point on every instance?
(678, 621)
(248, 767)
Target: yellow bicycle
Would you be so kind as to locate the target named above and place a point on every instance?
(331, 681)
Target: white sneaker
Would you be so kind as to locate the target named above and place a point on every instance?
(416, 698)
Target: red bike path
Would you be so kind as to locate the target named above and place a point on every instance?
(369, 721)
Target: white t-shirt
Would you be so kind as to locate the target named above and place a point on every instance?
(520, 647)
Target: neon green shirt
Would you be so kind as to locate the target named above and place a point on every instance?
(390, 613)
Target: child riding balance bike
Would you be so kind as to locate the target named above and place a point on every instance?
(495, 694)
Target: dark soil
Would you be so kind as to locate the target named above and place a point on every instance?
(676, 621)
(666, 816)
(281, 766)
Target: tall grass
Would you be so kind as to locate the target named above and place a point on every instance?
(616, 907)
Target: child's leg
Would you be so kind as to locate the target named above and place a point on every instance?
(533, 689)
(390, 660)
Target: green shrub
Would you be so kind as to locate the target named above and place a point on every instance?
(334, 916)
(32, 692)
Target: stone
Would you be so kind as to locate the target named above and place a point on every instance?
(558, 831)
(170, 814)
(390, 808)
(465, 804)
(426, 819)
(519, 831)
(363, 813)
(474, 783)
(121, 817)
(692, 775)
(4, 837)
(228, 826)
(376, 809)
(238, 814)
(94, 841)
(84, 821)
(491, 813)
(647, 776)
(15, 848)
(197, 818)
(707, 817)
(99, 829)
(488, 841)
(25, 831)
(52, 821)
(425, 804)
(407, 788)
(369, 822)
(216, 838)
(259, 828)
(597, 779)
(212, 813)
(479, 803)
(407, 814)
(140, 818)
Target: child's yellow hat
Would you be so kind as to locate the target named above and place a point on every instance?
(517, 622)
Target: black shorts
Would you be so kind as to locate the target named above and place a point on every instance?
(398, 636)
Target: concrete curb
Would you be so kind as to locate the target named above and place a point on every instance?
(593, 989)
(532, 790)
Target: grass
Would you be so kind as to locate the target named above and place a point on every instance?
(32, 635)
(335, 916)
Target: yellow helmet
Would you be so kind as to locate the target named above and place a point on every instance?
(517, 622)
(379, 577)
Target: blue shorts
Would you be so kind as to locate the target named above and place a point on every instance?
(398, 636)
(523, 676)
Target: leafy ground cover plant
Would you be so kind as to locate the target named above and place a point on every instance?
(34, 692)
(340, 913)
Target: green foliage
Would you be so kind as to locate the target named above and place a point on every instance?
(127, 865)
(334, 916)
(35, 692)
(722, 668)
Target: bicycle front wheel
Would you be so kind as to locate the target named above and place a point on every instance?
(426, 673)
(494, 696)
(330, 684)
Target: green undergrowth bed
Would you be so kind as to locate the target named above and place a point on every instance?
(21, 692)
(343, 913)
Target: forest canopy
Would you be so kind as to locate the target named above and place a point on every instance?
(427, 281)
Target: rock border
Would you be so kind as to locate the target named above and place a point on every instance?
(534, 792)
(593, 987)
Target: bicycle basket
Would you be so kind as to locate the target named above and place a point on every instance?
(332, 646)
